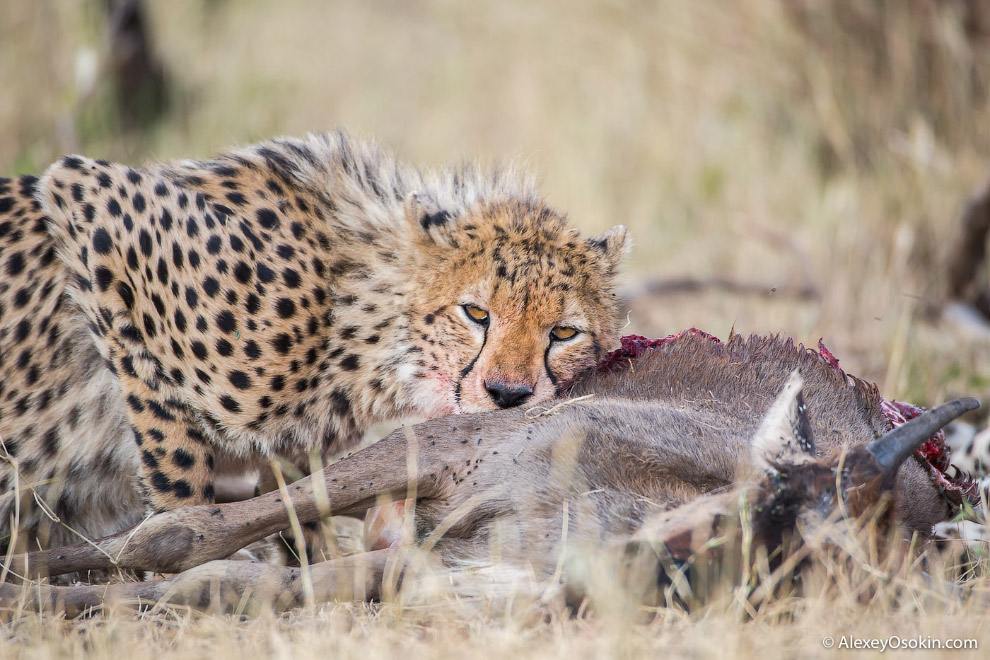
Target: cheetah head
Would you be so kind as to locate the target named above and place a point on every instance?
(510, 303)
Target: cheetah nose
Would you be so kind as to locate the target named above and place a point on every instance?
(507, 396)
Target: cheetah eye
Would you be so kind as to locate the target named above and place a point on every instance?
(563, 333)
(476, 314)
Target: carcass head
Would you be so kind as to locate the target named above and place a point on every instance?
(797, 484)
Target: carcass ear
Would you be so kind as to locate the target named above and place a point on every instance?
(426, 217)
(614, 246)
(784, 436)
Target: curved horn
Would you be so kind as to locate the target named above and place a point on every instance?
(893, 448)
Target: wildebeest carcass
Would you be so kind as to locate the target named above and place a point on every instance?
(658, 451)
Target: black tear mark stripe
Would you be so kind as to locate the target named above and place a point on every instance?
(466, 370)
(546, 365)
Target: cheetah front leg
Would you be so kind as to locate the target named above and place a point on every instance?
(112, 287)
(176, 462)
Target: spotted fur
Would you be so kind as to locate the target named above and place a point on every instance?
(160, 322)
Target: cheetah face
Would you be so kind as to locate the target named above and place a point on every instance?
(522, 353)
(521, 305)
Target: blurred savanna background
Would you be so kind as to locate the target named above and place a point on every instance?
(803, 165)
(789, 166)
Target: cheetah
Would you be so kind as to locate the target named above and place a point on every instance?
(161, 325)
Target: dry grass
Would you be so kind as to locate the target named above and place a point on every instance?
(863, 600)
(733, 142)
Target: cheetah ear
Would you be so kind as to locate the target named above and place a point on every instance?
(613, 246)
(425, 215)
